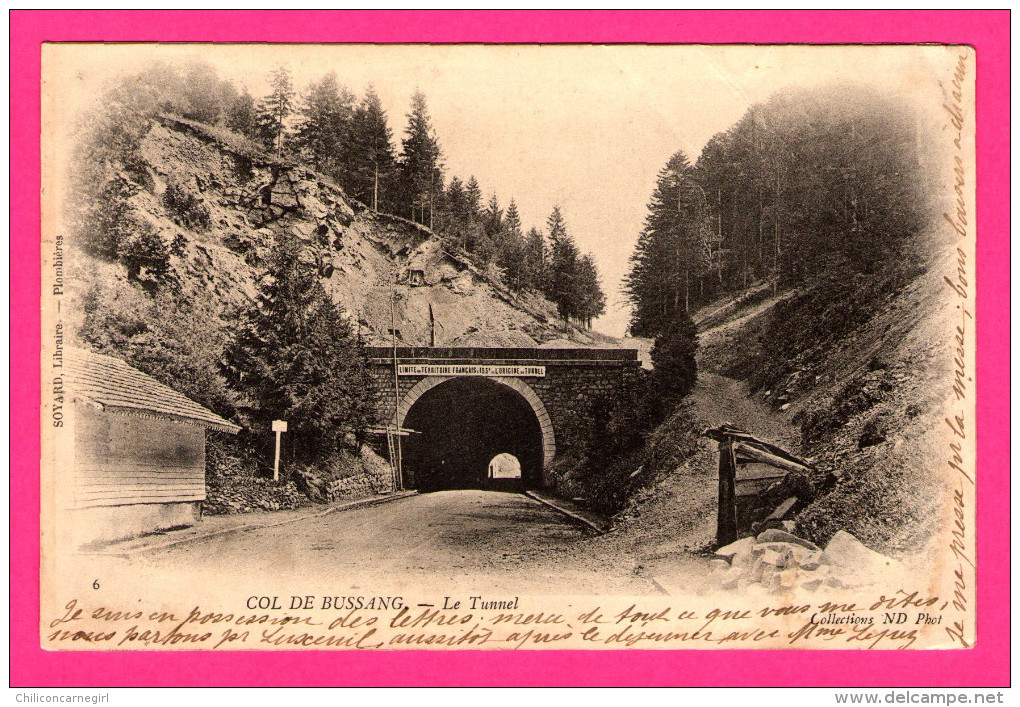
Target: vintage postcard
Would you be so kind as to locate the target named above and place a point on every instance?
(508, 347)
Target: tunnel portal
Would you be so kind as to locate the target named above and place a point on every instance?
(460, 426)
(468, 405)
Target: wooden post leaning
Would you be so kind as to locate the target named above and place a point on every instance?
(726, 528)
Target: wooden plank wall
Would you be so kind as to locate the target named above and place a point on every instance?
(122, 459)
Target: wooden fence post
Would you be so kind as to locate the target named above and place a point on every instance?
(726, 528)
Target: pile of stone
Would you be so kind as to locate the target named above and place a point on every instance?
(779, 561)
(252, 494)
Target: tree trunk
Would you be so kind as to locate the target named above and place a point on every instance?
(432, 198)
(375, 189)
(687, 289)
(719, 255)
(761, 236)
(775, 218)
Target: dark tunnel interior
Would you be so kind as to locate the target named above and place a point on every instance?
(464, 423)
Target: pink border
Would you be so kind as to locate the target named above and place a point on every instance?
(985, 665)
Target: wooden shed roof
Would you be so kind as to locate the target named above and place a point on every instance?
(114, 384)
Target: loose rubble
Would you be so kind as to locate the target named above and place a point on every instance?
(778, 561)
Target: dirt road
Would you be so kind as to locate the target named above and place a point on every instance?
(469, 539)
(720, 400)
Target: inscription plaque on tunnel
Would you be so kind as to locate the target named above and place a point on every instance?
(463, 370)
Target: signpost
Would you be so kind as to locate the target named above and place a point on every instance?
(279, 426)
(398, 463)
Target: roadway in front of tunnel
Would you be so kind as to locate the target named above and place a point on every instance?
(464, 539)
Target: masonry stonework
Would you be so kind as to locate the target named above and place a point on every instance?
(578, 383)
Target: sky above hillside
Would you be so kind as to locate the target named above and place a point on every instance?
(583, 127)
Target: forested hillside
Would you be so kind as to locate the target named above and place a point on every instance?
(824, 194)
(803, 243)
(349, 140)
(242, 250)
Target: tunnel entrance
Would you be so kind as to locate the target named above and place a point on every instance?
(463, 424)
(504, 466)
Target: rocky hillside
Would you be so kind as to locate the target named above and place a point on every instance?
(866, 407)
(221, 200)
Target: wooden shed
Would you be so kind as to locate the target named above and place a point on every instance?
(139, 451)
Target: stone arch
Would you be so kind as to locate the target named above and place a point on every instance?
(515, 384)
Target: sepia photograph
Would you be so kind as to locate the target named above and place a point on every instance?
(507, 347)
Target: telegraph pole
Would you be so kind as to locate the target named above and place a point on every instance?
(398, 481)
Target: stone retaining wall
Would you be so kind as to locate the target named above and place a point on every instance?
(359, 486)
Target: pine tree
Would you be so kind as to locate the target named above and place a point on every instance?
(473, 194)
(557, 227)
(241, 115)
(456, 201)
(323, 129)
(534, 259)
(511, 256)
(420, 163)
(371, 151)
(561, 281)
(474, 238)
(274, 110)
(716, 174)
(674, 364)
(670, 251)
(296, 357)
(452, 220)
(493, 217)
(512, 220)
(485, 236)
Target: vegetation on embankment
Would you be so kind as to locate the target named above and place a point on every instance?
(803, 231)
(869, 417)
(637, 435)
(780, 350)
(832, 181)
(863, 382)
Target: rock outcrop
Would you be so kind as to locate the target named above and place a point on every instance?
(227, 201)
(778, 561)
